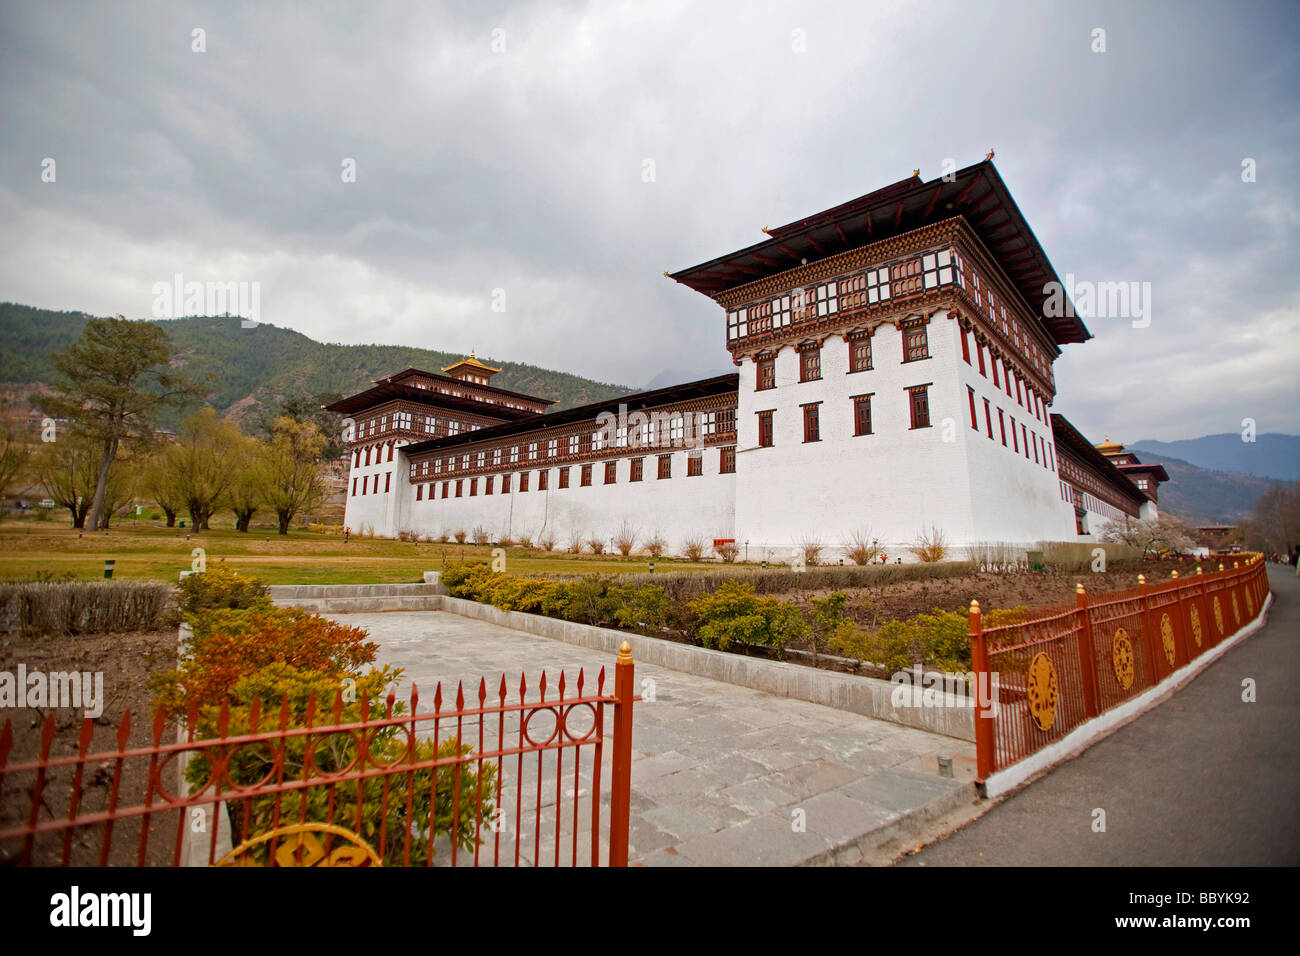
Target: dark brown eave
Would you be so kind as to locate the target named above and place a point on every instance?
(1137, 468)
(389, 391)
(1065, 435)
(976, 193)
(449, 380)
(704, 388)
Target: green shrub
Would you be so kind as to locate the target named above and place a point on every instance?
(939, 640)
(733, 613)
(220, 587)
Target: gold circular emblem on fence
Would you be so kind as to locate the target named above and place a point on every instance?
(1042, 691)
(1196, 625)
(1218, 616)
(1121, 658)
(300, 845)
(1167, 638)
(1236, 610)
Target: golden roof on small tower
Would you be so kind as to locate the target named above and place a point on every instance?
(1109, 447)
(471, 363)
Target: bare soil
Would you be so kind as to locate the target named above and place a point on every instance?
(127, 661)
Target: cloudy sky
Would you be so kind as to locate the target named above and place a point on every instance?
(505, 146)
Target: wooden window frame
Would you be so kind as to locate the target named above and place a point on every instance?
(611, 472)
(811, 422)
(765, 428)
(764, 373)
(665, 467)
(586, 476)
(861, 402)
(974, 415)
(810, 363)
(694, 466)
(912, 392)
(727, 460)
(564, 477)
(636, 469)
(909, 330)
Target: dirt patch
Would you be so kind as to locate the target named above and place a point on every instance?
(126, 661)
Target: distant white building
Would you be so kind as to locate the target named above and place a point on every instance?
(895, 376)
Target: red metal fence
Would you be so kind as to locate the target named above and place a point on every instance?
(1049, 675)
(492, 782)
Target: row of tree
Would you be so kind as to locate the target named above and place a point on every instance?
(99, 451)
(1274, 528)
(212, 466)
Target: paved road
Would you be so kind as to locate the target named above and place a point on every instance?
(1204, 779)
(718, 770)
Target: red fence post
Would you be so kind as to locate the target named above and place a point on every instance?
(620, 792)
(1087, 658)
(979, 655)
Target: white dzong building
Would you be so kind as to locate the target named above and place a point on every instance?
(894, 357)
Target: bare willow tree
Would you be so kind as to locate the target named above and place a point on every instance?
(111, 384)
(67, 470)
(294, 481)
(1152, 535)
(204, 461)
(1275, 523)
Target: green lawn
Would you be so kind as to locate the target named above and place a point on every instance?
(145, 550)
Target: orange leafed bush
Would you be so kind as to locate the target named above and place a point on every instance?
(228, 646)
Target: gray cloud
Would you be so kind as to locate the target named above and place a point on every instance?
(522, 170)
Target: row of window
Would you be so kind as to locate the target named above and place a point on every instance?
(647, 431)
(406, 421)
(664, 465)
(366, 487)
(916, 346)
(636, 472)
(1030, 441)
(875, 285)
(918, 404)
(1023, 393)
(379, 454)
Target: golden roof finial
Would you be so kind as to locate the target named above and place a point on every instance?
(989, 157)
(915, 173)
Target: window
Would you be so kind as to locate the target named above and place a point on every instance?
(1015, 439)
(543, 479)
(564, 477)
(1051, 458)
(514, 454)
(573, 444)
(860, 354)
(1142, 484)
(1080, 521)
(810, 363)
(367, 455)
(1019, 397)
(523, 481)
(459, 483)
(532, 451)
(965, 346)
(356, 458)
(988, 419)
(388, 481)
(727, 460)
(766, 373)
(694, 465)
(419, 492)
(916, 344)
(354, 487)
(862, 415)
(665, 466)
(586, 475)
(764, 429)
(974, 419)
(638, 466)
(488, 483)
(473, 487)
(811, 429)
(446, 489)
(919, 401)
(552, 448)
(1036, 449)
(1024, 439)
(979, 351)
(611, 472)
(1002, 425)
(994, 362)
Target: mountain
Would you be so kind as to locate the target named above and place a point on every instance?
(1271, 455)
(1203, 497)
(254, 372)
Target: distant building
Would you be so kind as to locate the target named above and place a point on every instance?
(1216, 537)
(1146, 477)
(896, 373)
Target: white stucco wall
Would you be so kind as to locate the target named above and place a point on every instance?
(675, 508)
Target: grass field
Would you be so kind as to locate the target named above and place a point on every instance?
(146, 550)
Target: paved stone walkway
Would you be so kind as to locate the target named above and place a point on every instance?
(719, 772)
